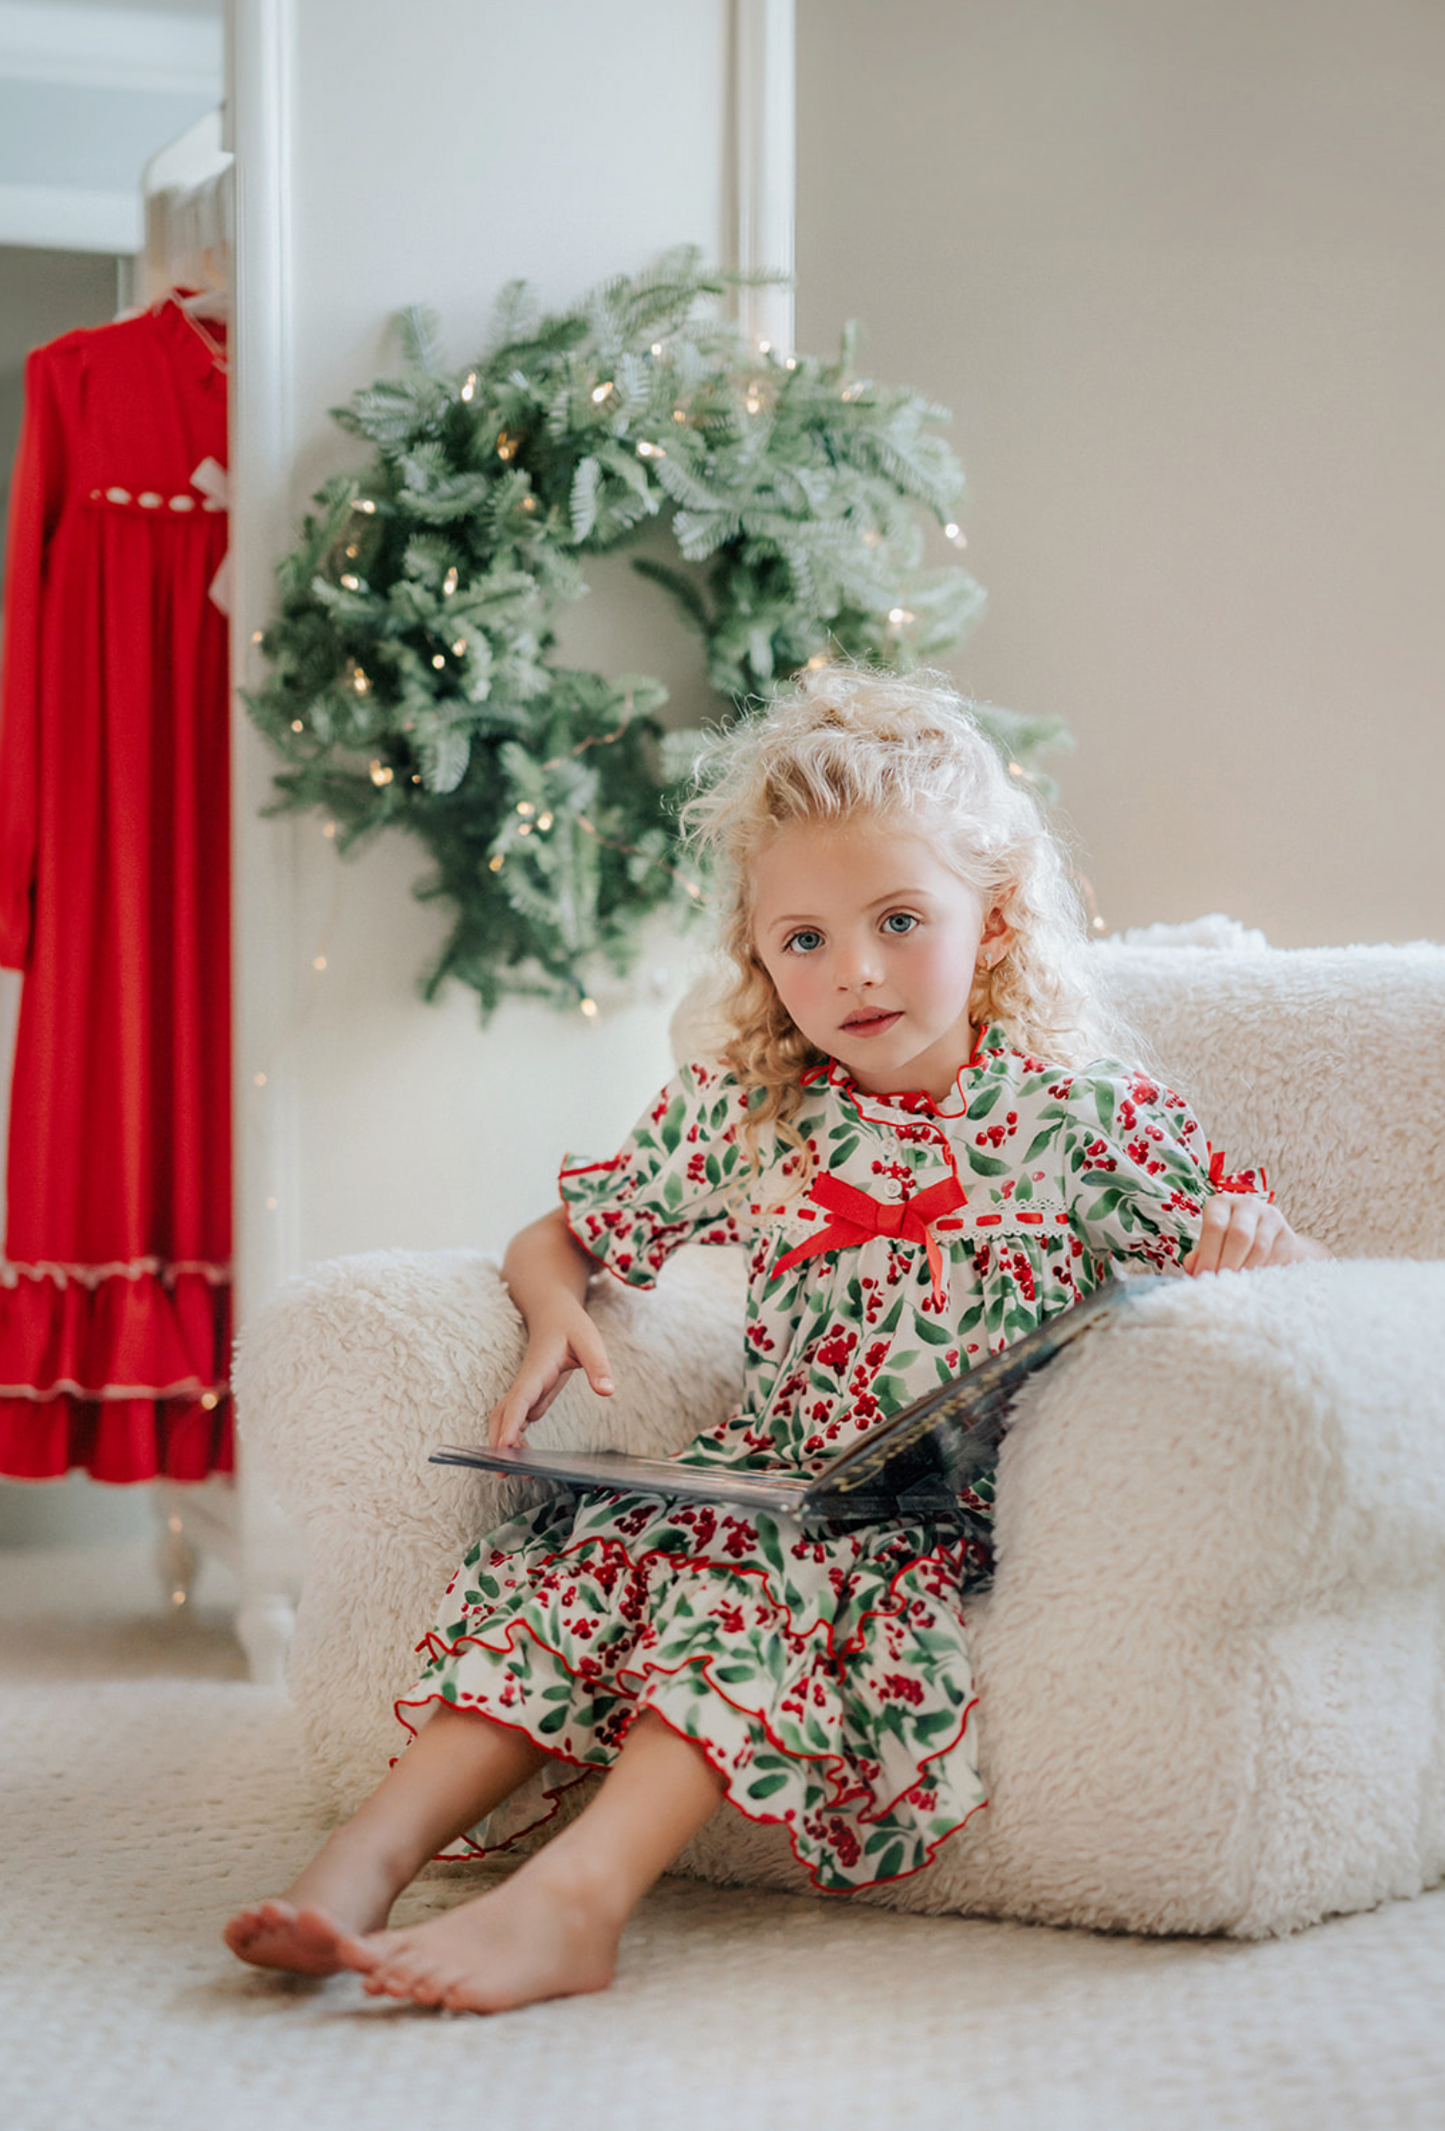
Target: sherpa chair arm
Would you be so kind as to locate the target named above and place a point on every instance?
(353, 1374)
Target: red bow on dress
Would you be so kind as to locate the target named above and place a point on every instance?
(856, 1217)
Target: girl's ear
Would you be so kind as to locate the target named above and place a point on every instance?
(995, 940)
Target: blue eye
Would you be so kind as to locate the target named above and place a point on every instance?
(804, 941)
(899, 922)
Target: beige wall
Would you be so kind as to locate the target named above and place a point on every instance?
(1179, 272)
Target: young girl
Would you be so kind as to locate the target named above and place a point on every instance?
(907, 1138)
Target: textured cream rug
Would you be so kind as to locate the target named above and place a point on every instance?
(144, 1793)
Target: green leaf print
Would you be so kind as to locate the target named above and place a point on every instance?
(770, 1546)
(985, 1100)
(671, 1132)
(929, 1721)
(985, 1164)
(712, 1170)
(1023, 1190)
(735, 1675)
(1040, 1144)
(765, 1786)
(672, 1191)
(890, 1864)
(1104, 1103)
(555, 1720)
(449, 1690)
(932, 1333)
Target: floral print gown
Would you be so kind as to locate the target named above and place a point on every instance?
(826, 1679)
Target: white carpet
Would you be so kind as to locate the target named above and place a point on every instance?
(144, 1797)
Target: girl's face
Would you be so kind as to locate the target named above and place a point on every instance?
(872, 942)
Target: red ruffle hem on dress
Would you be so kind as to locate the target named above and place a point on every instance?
(115, 902)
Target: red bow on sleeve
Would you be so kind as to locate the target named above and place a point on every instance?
(856, 1217)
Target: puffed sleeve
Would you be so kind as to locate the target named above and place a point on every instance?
(36, 493)
(679, 1178)
(1138, 1168)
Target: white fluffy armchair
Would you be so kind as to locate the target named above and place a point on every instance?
(1211, 1664)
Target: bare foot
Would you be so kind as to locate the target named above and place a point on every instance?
(306, 1942)
(338, 1894)
(536, 1936)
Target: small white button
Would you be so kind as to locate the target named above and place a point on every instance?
(892, 1187)
(149, 500)
(211, 504)
(183, 503)
(117, 495)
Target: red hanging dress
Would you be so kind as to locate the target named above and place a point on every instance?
(114, 901)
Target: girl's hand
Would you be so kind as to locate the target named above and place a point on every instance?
(563, 1338)
(1241, 1232)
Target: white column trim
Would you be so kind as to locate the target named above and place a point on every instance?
(261, 44)
(264, 858)
(765, 161)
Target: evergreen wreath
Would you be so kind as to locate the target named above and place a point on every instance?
(412, 682)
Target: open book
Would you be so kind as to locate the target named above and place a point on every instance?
(914, 1465)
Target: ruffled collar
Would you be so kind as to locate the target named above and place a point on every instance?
(899, 1104)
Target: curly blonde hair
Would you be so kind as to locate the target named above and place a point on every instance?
(844, 743)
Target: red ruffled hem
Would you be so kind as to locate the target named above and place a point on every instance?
(124, 1441)
(124, 1375)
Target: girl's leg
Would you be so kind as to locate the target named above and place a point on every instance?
(459, 1766)
(553, 1928)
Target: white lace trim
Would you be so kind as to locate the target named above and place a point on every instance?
(167, 1270)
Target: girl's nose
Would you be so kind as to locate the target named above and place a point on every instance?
(856, 963)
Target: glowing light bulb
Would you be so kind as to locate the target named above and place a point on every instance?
(657, 347)
(1015, 769)
(350, 582)
(459, 647)
(792, 362)
(469, 388)
(589, 1008)
(449, 584)
(600, 392)
(439, 661)
(381, 773)
(210, 1401)
(899, 615)
(297, 726)
(364, 503)
(526, 809)
(818, 660)
(544, 821)
(764, 347)
(329, 830)
(495, 864)
(318, 961)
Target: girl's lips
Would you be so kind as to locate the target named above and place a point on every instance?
(871, 1024)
